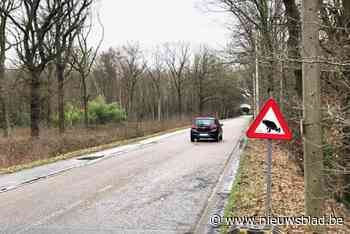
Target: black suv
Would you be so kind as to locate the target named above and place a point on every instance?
(206, 128)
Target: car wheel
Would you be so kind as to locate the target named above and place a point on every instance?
(192, 139)
(221, 137)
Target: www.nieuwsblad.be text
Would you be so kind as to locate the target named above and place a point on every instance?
(217, 220)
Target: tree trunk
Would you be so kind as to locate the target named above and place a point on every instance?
(201, 104)
(120, 98)
(49, 95)
(293, 24)
(3, 96)
(85, 102)
(346, 143)
(6, 118)
(4, 109)
(257, 77)
(48, 101)
(130, 106)
(159, 108)
(346, 130)
(313, 155)
(166, 102)
(35, 104)
(60, 96)
(179, 97)
(200, 94)
(282, 86)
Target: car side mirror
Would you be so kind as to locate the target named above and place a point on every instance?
(221, 125)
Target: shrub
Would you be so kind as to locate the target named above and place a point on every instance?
(22, 119)
(101, 113)
(72, 115)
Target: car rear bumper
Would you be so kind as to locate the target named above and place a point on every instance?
(207, 135)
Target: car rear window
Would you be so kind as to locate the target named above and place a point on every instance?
(205, 122)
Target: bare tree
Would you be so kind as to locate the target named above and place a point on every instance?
(106, 76)
(83, 58)
(157, 72)
(177, 59)
(6, 7)
(132, 64)
(32, 22)
(49, 72)
(70, 19)
(202, 70)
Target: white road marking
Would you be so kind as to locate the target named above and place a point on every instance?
(108, 187)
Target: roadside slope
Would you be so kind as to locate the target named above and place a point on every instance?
(247, 197)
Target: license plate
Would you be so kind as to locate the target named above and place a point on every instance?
(203, 134)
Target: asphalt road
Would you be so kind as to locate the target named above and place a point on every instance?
(160, 188)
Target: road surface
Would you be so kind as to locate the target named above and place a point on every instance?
(160, 188)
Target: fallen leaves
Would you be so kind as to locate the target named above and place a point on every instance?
(287, 189)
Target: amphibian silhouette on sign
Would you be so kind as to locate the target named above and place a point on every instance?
(270, 125)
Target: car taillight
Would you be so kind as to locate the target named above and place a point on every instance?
(194, 126)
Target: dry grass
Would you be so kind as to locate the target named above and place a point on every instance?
(21, 149)
(287, 190)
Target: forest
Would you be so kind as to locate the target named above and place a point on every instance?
(61, 92)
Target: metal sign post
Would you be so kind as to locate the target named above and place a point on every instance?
(269, 179)
(269, 124)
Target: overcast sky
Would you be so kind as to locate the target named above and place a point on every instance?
(154, 22)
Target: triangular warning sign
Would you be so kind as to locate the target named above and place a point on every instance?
(269, 123)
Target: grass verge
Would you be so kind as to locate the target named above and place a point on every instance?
(233, 198)
(77, 153)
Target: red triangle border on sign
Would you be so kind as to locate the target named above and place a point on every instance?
(270, 104)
